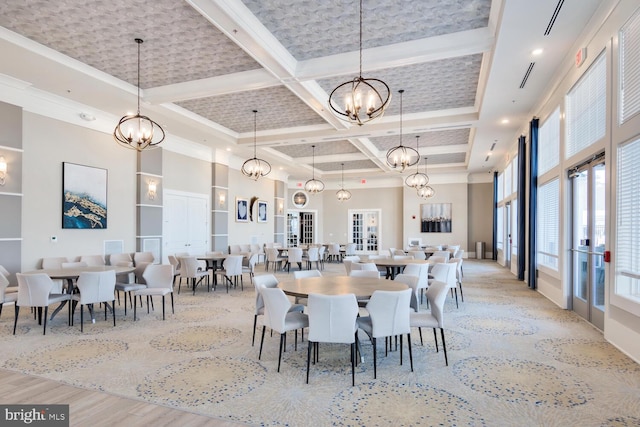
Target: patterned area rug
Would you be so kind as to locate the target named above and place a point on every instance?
(515, 359)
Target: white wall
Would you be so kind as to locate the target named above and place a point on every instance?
(456, 194)
(47, 143)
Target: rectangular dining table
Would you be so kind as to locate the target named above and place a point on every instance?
(72, 274)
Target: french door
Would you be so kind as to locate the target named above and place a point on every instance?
(588, 240)
(364, 230)
(186, 223)
(300, 228)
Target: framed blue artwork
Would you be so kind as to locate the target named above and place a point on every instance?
(84, 197)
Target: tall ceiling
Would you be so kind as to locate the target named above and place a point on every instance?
(465, 67)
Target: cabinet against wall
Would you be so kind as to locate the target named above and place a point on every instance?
(186, 223)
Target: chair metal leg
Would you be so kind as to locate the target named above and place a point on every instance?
(255, 323)
(308, 359)
(162, 307)
(173, 311)
(420, 332)
(282, 340)
(374, 358)
(410, 351)
(46, 312)
(113, 303)
(261, 341)
(81, 318)
(444, 347)
(15, 320)
(353, 364)
(435, 337)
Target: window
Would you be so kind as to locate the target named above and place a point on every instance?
(586, 108)
(507, 181)
(515, 173)
(547, 240)
(500, 229)
(627, 253)
(630, 69)
(514, 229)
(549, 143)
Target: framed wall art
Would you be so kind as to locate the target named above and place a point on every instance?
(435, 218)
(262, 211)
(84, 197)
(242, 210)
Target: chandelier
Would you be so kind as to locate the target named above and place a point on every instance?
(314, 185)
(401, 157)
(362, 99)
(417, 180)
(342, 194)
(427, 191)
(136, 131)
(255, 168)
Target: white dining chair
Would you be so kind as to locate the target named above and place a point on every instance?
(6, 297)
(388, 317)
(332, 319)
(34, 290)
(279, 318)
(436, 295)
(95, 287)
(159, 280)
(266, 281)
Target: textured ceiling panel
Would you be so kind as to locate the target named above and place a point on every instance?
(179, 44)
(322, 149)
(353, 165)
(277, 108)
(311, 28)
(438, 85)
(443, 159)
(427, 139)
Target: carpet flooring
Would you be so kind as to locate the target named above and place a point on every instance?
(515, 359)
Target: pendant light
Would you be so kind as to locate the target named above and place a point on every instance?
(342, 194)
(314, 186)
(255, 168)
(136, 131)
(401, 157)
(427, 191)
(353, 95)
(418, 179)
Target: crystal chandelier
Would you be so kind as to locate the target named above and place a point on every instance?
(418, 179)
(427, 191)
(401, 157)
(342, 194)
(362, 99)
(314, 185)
(255, 168)
(136, 131)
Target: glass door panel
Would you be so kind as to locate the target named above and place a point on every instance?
(588, 241)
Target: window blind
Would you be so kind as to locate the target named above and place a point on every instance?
(627, 254)
(586, 108)
(548, 216)
(630, 69)
(549, 143)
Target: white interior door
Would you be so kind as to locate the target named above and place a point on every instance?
(186, 223)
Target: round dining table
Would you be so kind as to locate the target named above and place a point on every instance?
(361, 287)
(395, 266)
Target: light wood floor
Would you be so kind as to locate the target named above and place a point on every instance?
(87, 407)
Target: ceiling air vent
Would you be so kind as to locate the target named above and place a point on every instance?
(526, 75)
(552, 21)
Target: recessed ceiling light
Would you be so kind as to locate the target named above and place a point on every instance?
(536, 52)
(504, 121)
(228, 148)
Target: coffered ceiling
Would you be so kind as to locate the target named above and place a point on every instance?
(206, 64)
